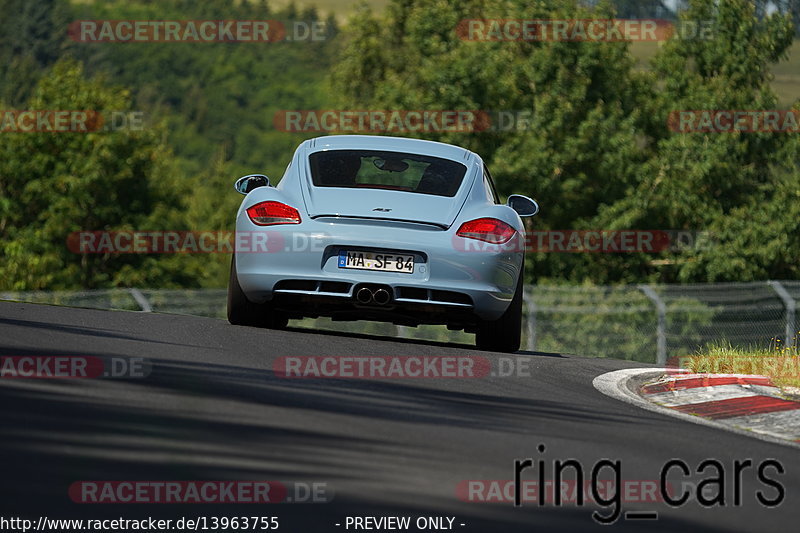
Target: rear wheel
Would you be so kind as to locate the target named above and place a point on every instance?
(243, 312)
(503, 334)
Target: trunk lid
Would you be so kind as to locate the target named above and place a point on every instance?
(385, 204)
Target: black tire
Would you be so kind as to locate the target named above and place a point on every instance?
(243, 312)
(503, 334)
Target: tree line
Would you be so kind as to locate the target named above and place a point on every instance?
(597, 150)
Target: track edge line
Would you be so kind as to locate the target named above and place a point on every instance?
(615, 385)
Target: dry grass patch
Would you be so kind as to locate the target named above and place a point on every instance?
(781, 363)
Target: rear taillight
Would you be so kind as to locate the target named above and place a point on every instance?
(488, 230)
(271, 213)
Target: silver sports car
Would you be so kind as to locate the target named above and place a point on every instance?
(381, 228)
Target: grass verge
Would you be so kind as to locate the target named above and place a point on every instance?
(779, 362)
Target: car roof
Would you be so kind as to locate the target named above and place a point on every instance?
(391, 144)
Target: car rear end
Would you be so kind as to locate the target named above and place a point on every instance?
(322, 244)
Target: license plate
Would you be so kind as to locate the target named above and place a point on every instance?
(374, 261)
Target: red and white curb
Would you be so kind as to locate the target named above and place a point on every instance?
(749, 405)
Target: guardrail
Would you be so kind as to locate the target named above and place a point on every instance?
(645, 322)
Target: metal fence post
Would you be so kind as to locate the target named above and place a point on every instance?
(530, 307)
(661, 329)
(791, 308)
(141, 300)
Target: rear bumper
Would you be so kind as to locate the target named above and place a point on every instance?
(298, 267)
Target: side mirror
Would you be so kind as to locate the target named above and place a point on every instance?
(245, 184)
(524, 206)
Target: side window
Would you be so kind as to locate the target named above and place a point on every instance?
(489, 184)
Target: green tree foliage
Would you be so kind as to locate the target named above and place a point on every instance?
(582, 98)
(220, 98)
(211, 108)
(599, 154)
(709, 181)
(639, 9)
(219, 101)
(52, 184)
(31, 39)
(790, 7)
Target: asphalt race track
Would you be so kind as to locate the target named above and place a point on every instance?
(213, 409)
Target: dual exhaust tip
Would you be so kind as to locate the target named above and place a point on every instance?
(378, 296)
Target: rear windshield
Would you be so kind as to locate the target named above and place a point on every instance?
(395, 171)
